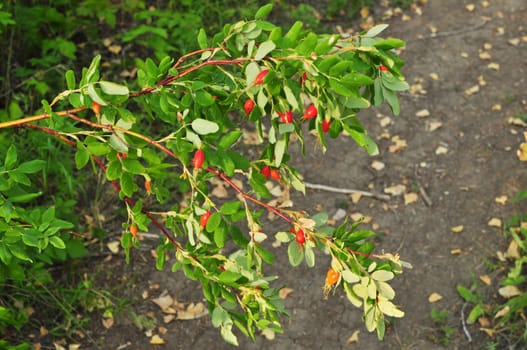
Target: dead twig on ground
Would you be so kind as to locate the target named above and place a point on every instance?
(347, 191)
(464, 324)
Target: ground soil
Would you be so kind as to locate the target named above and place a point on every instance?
(480, 164)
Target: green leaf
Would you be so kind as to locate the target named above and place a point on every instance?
(220, 236)
(82, 156)
(520, 196)
(376, 30)
(205, 99)
(133, 166)
(291, 37)
(266, 256)
(10, 158)
(230, 208)
(340, 88)
(279, 151)
(75, 248)
(283, 237)
(307, 45)
(466, 294)
(31, 167)
(92, 71)
(127, 184)
(202, 39)
(229, 277)
(19, 253)
(310, 257)
(94, 95)
(114, 170)
(295, 253)
(475, 313)
(389, 43)
(392, 100)
(264, 49)
(57, 242)
(111, 88)
(204, 127)
(214, 222)
(229, 139)
(228, 335)
(363, 140)
(161, 258)
(263, 11)
(291, 98)
(70, 80)
(219, 316)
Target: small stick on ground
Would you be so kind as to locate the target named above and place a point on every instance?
(463, 323)
(347, 191)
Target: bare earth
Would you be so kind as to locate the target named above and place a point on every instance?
(476, 163)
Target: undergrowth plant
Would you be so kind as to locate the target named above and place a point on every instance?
(162, 145)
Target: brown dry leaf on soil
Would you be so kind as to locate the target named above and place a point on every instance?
(441, 150)
(470, 7)
(509, 291)
(501, 199)
(268, 334)
(434, 297)
(395, 190)
(285, 292)
(107, 322)
(457, 229)
(456, 251)
(156, 340)
(192, 312)
(354, 338)
(423, 113)
(433, 125)
(494, 222)
(472, 90)
(377, 165)
(513, 250)
(399, 144)
(484, 55)
(410, 197)
(485, 279)
(493, 65)
(514, 41)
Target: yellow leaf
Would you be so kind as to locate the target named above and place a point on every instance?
(484, 55)
(395, 190)
(441, 150)
(513, 251)
(410, 198)
(434, 76)
(456, 251)
(355, 197)
(354, 338)
(471, 91)
(514, 41)
(493, 65)
(113, 246)
(388, 308)
(107, 322)
(501, 200)
(470, 7)
(434, 125)
(502, 312)
(192, 312)
(457, 229)
(509, 291)
(423, 113)
(495, 222)
(164, 302)
(377, 165)
(285, 292)
(490, 332)
(399, 144)
(156, 340)
(522, 152)
(268, 334)
(382, 275)
(434, 297)
(485, 279)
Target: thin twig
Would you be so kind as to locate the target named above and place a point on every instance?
(426, 197)
(463, 323)
(451, 33)
(347, 191)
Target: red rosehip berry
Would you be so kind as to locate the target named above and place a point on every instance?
(286, 117)
(203, 219)
(266, 171)
(199, 158)
(383, 68)
(248, 106)
(260, 77)
(326, 124)
(311, 112)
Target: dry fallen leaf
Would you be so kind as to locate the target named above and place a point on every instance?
(485, 279)
(496, 107)
(107, 322)
(354, 338)
(192, 312)
(484, 55)
(377, 165)
(434, 297)
(285, 292)
(355, 197)
(441, 150)
(484, 322)
(464, 55)
(502, 312)
(514, 41)
(115, 49)
(399, 144)
(339, 214)
(156, 340)
(269, 334)
(470, 7)
(410, 198)
(494, 222)
(434, 76)
(509, 291)
(516, 122)
(481, 81)
(423, 113)
(493, 65)
(164, 302)
(433, 126)
(513, 251)
(501, 199)
(114, 246)
(457, 229)
(456, 251)
(395, 190)
(384, 122)
(471, 91)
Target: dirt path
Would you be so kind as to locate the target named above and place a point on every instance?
(476, 163)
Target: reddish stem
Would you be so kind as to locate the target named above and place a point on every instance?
(247, 196)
